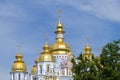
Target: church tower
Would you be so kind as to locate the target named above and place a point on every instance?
(60, 47)
(61, 51)
(54, 63)
(45, 64)
(34, 71)
(19, 69)
(88, 55)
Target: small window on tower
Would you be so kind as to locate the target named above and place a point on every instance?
(13, 77)
(47, 67)
(19, 77)
(40, 68)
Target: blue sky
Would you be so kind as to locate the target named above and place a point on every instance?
(25, 23)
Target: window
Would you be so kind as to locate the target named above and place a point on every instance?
(19, 77)
(47, 67)
(13, 76)
(40, 68)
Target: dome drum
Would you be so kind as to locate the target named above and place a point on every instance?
(46, 57)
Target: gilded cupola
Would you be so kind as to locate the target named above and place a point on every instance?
(87, 54)
(34, 68)
(60, 47)
(59, 28)
(87, 49)
(19, 65)
(45, 55)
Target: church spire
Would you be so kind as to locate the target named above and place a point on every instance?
(88, 55)
(19, 68)
(45, 55)
(87, 47)
(59, 29)
(46, 46)
(19, 48)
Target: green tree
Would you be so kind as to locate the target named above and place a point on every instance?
(110, 60)
(84, 69)
(106, 67)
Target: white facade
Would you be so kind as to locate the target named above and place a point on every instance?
(52, 65)
(60, 69)
(19, 76)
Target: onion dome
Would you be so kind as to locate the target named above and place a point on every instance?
(88, 55)
(59, 28)
(60, 47)
(34, 68)
(87, 49)
(46, 56)
(19, 65)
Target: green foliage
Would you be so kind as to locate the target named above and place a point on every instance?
(107, 68)
(110, 59)
(84, 70)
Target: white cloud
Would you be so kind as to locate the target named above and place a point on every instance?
(77, 22)
(105, 9)
(108, 9)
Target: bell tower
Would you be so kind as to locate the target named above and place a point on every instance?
(18, 71)
(87, 54)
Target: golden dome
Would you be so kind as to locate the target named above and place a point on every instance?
(87, 49)
(46, 56)
(36, 60)
(59, 28)
(19, 65)
(88, 55)
(60, 47)
(34, 68)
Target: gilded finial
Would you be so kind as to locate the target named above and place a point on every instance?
(19, 48)
(59, 11)
(87, 37)
(46, 46)
(46, 38)
(87, 47)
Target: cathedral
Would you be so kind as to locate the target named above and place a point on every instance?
(54, 63)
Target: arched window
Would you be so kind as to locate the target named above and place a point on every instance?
(24, 77)
(47, 67)
(13, 76)
(40, 68)
(19, 77)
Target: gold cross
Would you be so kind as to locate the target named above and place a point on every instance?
(87, 37)
(59, 11)
(46, 37)
(19, 48)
